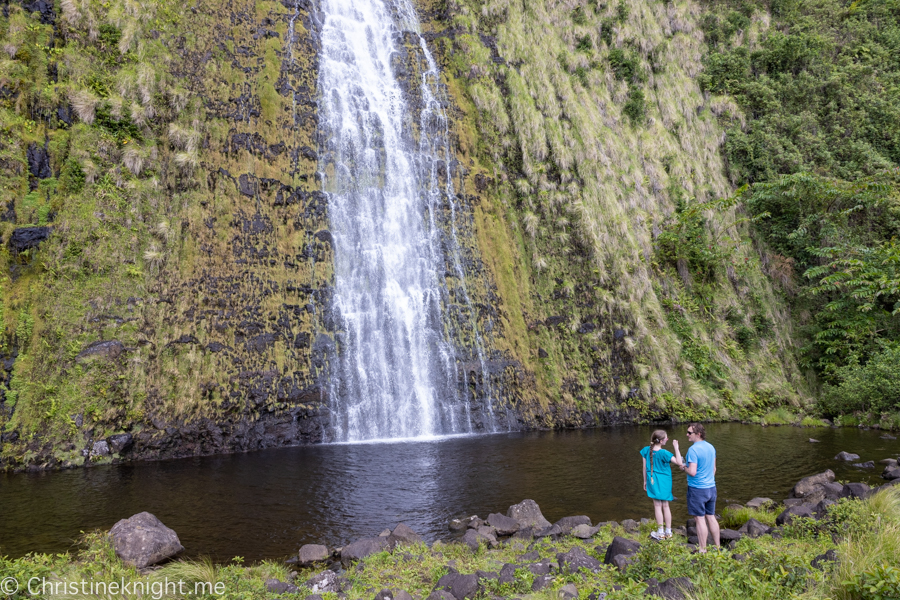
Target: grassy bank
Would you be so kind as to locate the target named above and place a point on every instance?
(864, 534)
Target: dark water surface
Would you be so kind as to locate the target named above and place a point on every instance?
(266, 504)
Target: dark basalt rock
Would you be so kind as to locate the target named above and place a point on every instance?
(363, 548)
(671, 589)
(24, 238)
(890, 473)
(819, 561)
(326, 581)
(856, 490)
(620, 547)
(403, 534)
(39, 159)
(121, 442)
(142, 540)
(280, 587)
(566, 524)
(528, 514)
(576, 559)
(846, 456)
(460, 586)
(788, 515)
(502, 524)
(45, 8)
(754, 528)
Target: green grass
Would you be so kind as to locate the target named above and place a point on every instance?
(778, 416)
(734, 519)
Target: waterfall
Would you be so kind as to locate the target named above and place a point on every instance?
(386, 167)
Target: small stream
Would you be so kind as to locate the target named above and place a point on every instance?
(266, 504)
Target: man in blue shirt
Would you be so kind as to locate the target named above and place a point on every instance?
(700, 466)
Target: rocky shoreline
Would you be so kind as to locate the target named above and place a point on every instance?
(571, 557)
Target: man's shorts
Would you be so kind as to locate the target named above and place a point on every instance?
(701, 501)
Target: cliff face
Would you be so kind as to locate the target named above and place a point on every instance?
(167, 248)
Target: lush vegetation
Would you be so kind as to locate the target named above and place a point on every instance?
(864, 534)
(807, 94)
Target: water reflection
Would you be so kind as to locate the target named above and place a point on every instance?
(266, 504)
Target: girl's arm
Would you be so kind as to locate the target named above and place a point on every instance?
(677, 458)
(644, 471)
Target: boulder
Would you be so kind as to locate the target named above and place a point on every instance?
(754, 528)
(502, 524)
(552, 532)
(833, 490)
(729, 535)
(584, 532)
(786, 517)
(120, 442)
(891, 462)
(528, 514)
(488, 533)
(758, 503)
(671, 589)
(888, 436)
(438, 595)
(856, 490)
(460, 586)
(789, 502)
(630, 525)
(276, 586)
(507, 573)
(326, 581)
(393, 595)
(566, 524)
(475, 523)
(363, 548)
(311, 553)
(540, 568)
(869, 464)
(38, 161)
(529, 556)
(100, 448)
(846, 456)
(461, 524)
(622, 561)
(620, 546)
(541, 582)
(525, 533)
(575, 559)
(473, 539)
(813, 441)
(821, 508)
(568, 592)
(402, 534)
(142, 540)
(808, 484)
(891, 473)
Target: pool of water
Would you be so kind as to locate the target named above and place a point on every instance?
(267, 504)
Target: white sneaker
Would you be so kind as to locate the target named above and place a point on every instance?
(656, 535)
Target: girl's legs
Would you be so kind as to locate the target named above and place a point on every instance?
(667, 515)
(658, 510)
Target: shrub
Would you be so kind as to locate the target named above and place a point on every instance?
(873, 387)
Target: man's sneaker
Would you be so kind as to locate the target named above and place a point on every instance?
(657, 536)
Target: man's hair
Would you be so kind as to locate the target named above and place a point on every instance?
(699, 430)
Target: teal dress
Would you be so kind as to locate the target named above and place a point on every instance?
(659, 482)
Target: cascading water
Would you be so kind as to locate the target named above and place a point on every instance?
(396, 374)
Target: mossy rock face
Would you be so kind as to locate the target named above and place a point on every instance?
(173, 158)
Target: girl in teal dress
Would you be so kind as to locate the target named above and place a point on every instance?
(656, 466)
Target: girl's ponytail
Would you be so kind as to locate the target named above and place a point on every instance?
(656, 437)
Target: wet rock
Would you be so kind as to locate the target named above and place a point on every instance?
(475, 523)
(502, 524)
(460, 524)
(276, 586)
(856, 490)
(142, 540)
(891, 462)
(326, 581)
(808, 484)
(888, 436)
(846, 456)
(105, 349)
(528, 514)
(758, 503)
(891, 473)
(869, 464)
(100, 448)
(576, 559)
(788, 515)
(39, 161)
(363, 548)
(65, 114)
(566, 524)
(24, 238)
(671, 589)
(403, 534)
(813, 441)
(620, 547)
(311, 553)
(460, 586)
(120, 442)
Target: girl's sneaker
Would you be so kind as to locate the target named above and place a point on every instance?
(658, 535)
(667, 535)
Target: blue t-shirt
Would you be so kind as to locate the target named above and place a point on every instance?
(704, 454)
